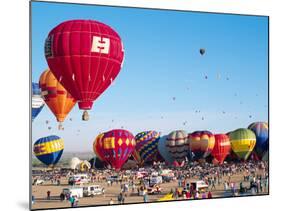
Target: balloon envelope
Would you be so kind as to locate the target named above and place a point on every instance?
(163, 150)
(202, 51)
(116, 146)
(74, 163)
(37, 100)
(146, 146)
(96, 149)
(178, 145)
(201, 144)
(261, 131)
(56, 97)
(242, 142)
(85, 56)
(222, 147)
(49, 149)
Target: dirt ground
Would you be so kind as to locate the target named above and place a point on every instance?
(111, 192)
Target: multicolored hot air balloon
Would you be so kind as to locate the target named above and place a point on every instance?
(261, 131)
(201, 144)
(56, 97)
(95, 148)
(37, 100)
(163, 150)
(146, 146)
(115, 147)
(178, 145)
(49, 149)
(222, 147)
(242, 142)
(85, 56)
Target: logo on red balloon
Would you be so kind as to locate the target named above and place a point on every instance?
(100, 45)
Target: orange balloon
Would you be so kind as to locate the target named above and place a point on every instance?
(55, 95)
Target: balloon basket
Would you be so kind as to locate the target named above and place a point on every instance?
(60, 127)
(85, 116)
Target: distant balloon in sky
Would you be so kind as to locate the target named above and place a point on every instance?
(202, 51)
(85, 56)
(56, 97)
(37, 100)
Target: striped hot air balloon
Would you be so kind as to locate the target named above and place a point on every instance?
(146, 146)
(242, 142)
(56, 97)
(201, 144)
(261, 131)
(115, 147)
(49, 149)
(37, 100)
(178, 145)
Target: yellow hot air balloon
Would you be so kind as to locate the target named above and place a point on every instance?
(55, 95)
(242, 142)
(95, 149)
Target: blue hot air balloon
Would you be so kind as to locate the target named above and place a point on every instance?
(49, 149)
(261, 131)
(37, 100)
(163, 150)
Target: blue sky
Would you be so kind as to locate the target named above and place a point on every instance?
(162, 62)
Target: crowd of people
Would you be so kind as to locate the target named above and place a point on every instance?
(254, 180)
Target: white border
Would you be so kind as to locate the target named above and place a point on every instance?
(15, 101)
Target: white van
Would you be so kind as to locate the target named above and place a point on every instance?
(93, 190)
(155, 180)
(77, 191)
(78, 179)
(199, 186)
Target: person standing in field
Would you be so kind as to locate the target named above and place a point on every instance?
(71, 200)
(48, 195)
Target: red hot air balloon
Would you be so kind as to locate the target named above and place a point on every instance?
(115, 147)
(222, 147)
(85, 56)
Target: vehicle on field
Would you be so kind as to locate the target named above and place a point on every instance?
(199, 186)
(78, 179)
(73, 191)
(93, 190)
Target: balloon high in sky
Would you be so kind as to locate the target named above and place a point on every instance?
(56, 97)
(85, 56)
